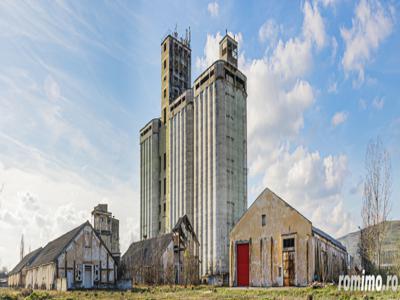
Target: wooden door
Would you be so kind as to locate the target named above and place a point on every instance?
(288, 268)
(242, 264)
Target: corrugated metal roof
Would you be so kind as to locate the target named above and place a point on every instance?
(329, 238)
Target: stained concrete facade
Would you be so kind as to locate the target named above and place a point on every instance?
(201, 168)
(150, 181)
(220, 161)
(181, 158)
(284, 247)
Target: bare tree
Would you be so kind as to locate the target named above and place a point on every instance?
(376, 204)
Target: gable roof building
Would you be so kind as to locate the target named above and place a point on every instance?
(76, 259)
(273, 244)
(167, 258)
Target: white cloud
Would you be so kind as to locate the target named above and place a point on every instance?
(269, 31)
(213, 9)
(339, 118)
(45, 204)
(327, 3)
(378, 103)
(313, 24)
(312, 184)
(371, 25)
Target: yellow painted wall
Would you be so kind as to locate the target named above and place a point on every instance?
(281, 219)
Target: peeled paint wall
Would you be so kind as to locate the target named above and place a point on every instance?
(42, 277)
(329, 260)
(85, 249)
(14, 280)
(281, 219)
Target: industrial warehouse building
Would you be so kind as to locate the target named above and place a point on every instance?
(274, 245)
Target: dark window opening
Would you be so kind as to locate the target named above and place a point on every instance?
(165, 187)
(263, 220)
(288, 243)
(165, 64)
(165, 161)
(165, 46)
(165, 207)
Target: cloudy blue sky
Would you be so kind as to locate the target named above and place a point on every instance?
(78, 80)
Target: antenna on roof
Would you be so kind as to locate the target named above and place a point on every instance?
(226, 31)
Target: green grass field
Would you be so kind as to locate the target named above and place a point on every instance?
(199, 292)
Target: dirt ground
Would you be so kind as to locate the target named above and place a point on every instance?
(198, 292)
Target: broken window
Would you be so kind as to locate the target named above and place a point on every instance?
(96, 273)
(78, 272)
(263, 220)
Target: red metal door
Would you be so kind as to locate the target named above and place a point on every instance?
(242, 264)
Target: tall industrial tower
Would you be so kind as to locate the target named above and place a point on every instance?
(193, 160)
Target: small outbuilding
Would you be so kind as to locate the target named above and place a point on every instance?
(16, 277)
(77, 259)
(170, 258)
(273, 244)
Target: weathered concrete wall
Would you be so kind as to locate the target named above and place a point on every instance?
(265, 242)
(150, 183)
(220, 162)
(329, 260)
(181, 158)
